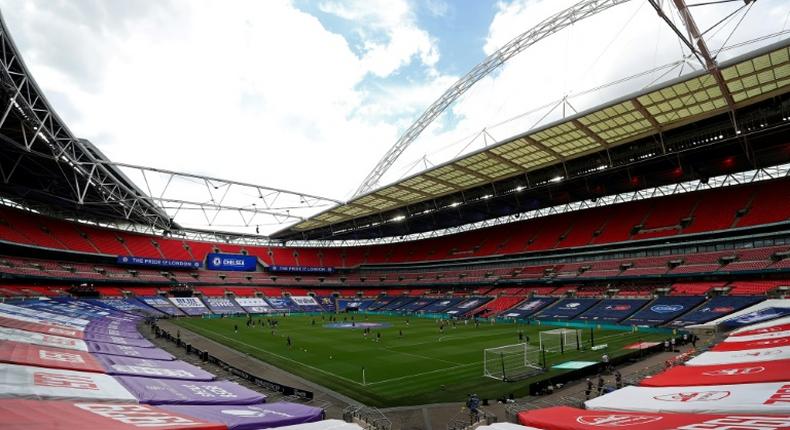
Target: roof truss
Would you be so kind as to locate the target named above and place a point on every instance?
(35, 134)
(748, 79)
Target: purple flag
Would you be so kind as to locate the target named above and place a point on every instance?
(252, 417)
(112, 325)
(140, 343)
(160, 391)
(114, 329)
(176, 369)
(104, 331)
(128, 351)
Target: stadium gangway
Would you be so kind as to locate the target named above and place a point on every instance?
(512, 410)
(636, 377)
(371, 418)
(275, 396)
(464, 420)
(323, 404)
(292, 398)
(542, 403)
(350, 411)
(572, 401)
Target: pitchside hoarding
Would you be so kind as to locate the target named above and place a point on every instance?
(231, 262)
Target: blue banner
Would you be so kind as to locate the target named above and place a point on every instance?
(762, 315)
(158, 262)
(664, 309)
(300, 269)
(567, 309)
(716, 308)
(612, 310)
(231, 262)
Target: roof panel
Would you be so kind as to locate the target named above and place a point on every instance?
(383, 204)
(499, 171)
(414, 182)
(766, 73)
(438, 189)
(620, 122)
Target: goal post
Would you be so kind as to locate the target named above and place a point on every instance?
(510, 362)
(561, 340)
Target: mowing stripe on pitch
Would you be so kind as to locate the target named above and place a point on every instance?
(424, 357)
(424, 373)
(286, 358)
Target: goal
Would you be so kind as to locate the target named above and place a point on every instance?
(510, 362)
(560, 340)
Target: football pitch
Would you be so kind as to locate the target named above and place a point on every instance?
(412, 363)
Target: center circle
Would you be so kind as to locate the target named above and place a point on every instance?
(356, 325)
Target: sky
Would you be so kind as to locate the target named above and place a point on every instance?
(307, 95)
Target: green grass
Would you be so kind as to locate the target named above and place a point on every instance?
(423, 366)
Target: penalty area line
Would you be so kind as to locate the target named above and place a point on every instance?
(424, 357)
(384, 381)
(288, 359)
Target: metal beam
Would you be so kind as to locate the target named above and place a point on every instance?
(544, 29)
(389, 199)
(540, 145)
(441, 181)
(702, 49)
(645, 113)
(215, 179)
(591, 134)
(411, 190)
(503, 160)
(471, 172)
(46, 135)
(361, 206)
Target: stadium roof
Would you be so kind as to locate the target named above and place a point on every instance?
(44, 166)
(748, 79)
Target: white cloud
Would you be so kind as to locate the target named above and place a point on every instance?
(617, 43)
(261, 92)
(438, 8)
(402, 42)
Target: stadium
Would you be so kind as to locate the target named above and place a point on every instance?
(621, 265)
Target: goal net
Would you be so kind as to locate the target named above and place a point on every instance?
(510, 362)
(561, 340)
